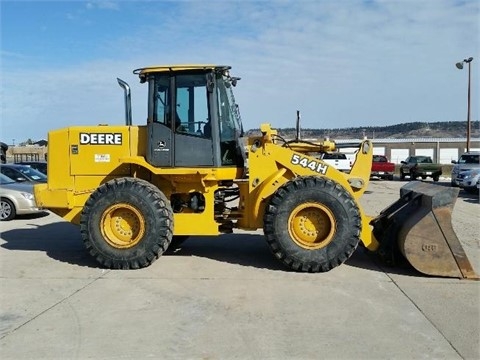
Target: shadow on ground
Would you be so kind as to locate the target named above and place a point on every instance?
(252, 250)
(469, 197)
(248, 250)
(37, 215)
(61, 241)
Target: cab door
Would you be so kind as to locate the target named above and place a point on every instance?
(179, 124)
(160, 149)
(193, 145)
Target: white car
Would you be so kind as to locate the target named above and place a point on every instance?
(467, 161)
(15, 198)
(468, 180)
(338, 160)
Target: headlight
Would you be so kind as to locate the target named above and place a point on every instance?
(27, 196)
(471, 175)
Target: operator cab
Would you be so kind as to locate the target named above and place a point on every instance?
(193, 120)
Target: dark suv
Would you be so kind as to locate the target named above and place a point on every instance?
(37, 165)
(21, 173)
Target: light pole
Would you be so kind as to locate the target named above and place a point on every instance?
(459, 65)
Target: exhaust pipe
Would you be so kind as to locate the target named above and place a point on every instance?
(128, 101)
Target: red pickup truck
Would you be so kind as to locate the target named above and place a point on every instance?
(382, 168)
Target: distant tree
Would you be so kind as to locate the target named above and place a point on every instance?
(27, 142)
(405, 130)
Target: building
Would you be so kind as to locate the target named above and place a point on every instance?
(441, 150)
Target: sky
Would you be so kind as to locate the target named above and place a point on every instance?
(342, 63)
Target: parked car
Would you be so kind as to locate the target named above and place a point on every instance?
(382, 168)
(467, 161)
(420, 166)
(16, 198)
(338, 160)
(468, 180)
(37, 165)
(21, 173)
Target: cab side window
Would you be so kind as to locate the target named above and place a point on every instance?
(192, 114)
(162, 101)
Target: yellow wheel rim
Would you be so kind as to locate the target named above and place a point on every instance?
(122, 225)
(311, 226)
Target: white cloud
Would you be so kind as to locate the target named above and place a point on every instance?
(104, 5)
(14, 55)
(349, 63)
(87, 95)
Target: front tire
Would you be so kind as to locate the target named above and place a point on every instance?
(7, 210)
(312, 224)
(126, 223)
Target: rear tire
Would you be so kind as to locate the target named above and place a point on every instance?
(390, 177)
(436, 178)
(312, 224)
(402, 175)
(7, 210)
(127, 223)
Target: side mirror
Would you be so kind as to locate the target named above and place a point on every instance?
(402, 162)
(454, 161)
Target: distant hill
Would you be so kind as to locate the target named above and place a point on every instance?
(446, 129)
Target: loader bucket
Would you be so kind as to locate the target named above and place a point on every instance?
(419, 226)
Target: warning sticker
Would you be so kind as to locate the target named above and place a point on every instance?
(102, 157)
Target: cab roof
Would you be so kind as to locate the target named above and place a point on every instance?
(184, 67)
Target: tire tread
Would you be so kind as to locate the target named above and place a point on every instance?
(288, 191)
(155, 246)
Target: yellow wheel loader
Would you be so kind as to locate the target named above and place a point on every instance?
(135, 191)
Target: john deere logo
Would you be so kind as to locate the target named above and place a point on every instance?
(100, 139)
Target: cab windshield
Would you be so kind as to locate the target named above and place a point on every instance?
(229, 115)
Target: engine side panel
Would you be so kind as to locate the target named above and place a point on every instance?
(97, 150)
